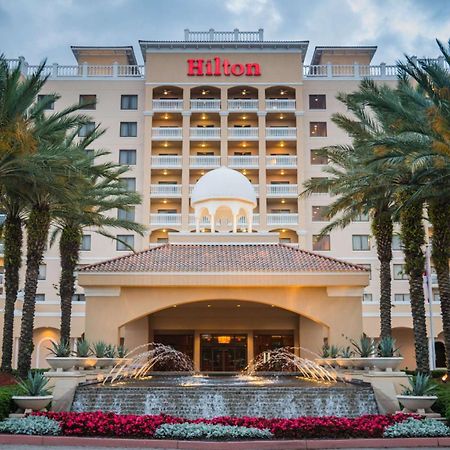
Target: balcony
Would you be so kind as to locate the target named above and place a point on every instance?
(255, 187)
(281, 133)
(205, 105)
(351, 71)
(165, 219)
(282, 219)
(243, 133)
(205, 221)
(280, 105)
(165, 190)
(281, 161)
(166, 161)
(163, 133)
(243, 162)
(243, 105)
(167, 105)
(205, 133)
(282, 190)
(204, 162)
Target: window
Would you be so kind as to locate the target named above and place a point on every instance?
(127, 157)
(367, 298)
(46, 98)
(401, 298)
(360, 242)
(321, 244)
(129, 184)
(78, 298)
(367, 267)
(436, 297)
(318, 101)
(89, 153)
(318, 129)
(128, 129)
(128, 102)
(89, 101)
(397, 242)
(42, 272)
(40, 297)
(162, 240)
(318, 157)
(126, 239)
(285, 240)
(399, 272)
(126, 214)
(319, 214)
(85, 243)
(86, 129)
(320, 189)
(361, 217)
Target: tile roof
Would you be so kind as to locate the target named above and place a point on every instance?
(198, 258)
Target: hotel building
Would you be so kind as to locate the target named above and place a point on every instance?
(212, 100)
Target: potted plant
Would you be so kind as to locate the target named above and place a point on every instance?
(329, 355)
(61, 359)
(84, 355)
(344, 358)
(121, 353)
(419, 395)
(365, 348)
(105, 354)
(35, 395)
(387, 357)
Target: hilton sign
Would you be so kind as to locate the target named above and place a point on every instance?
(216, 67)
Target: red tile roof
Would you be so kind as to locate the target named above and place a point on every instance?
(197, 258)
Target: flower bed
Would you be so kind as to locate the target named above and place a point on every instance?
(133, 426)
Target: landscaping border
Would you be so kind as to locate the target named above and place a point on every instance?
(50, 441)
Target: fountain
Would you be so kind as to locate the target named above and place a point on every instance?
(277, 383)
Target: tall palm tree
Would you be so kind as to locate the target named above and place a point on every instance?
(360, 191)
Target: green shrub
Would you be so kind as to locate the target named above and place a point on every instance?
(83, 348)
(419, 385)
(36, 425)
(442, 405)
(35, 385)
(60, 349)
(99, 349)
(6, 402)
(417, 428)
(365, 347)
(189, 431)
(387, 347)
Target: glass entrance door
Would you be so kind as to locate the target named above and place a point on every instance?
(223, 353)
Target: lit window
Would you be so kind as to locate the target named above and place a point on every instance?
(40, 297)
(88, 101)
(318, 129)
(127, 157)
(129, 102)
(399, 272)
(318, 101)
(397, 242)
(42, 272)
(126, 214)
(85, 243)
(86, 129)
(48, 99)
(318, 157)
(401, 298)
(124, 242)
(321, 244)
(360, 242)
(319, 214)
(128, 129)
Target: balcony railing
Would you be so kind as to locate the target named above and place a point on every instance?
(255, 187)
(282, 190)
(357, 71)
(167, 105)
(166, 161)
(281, 133)
(205, 221)
(282, 219)
(280, 105)
(205, 133)
(208, 161)
(279, 161)
(243, 133)
(205, 105)
(167, 133)
(165, 190)
(243, 105)
(247, 161)
(165, 219)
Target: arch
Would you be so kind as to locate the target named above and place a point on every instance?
(440, 356)
(287, 235)
(160, 233)
(205, 92)
(280, 92)
(167, 92)
(42, 339)
(242, 92)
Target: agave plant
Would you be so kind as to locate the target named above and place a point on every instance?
(420, 385)
(83, 349)
(325, 351)
(60, 349)
(110, 351)
(366, 347)
(334, 351)
(99, 349)
(121, 351)
(35, 385)
(386, 347)
(346, 352)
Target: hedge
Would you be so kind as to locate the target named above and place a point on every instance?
(6, 402)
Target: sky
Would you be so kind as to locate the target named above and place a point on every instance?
(38, 29)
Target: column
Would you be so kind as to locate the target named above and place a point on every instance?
(185, 171)
(250, 347)
(144, 216)
(197, 351)
(262, 170)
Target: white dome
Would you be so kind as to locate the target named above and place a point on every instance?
(223, 183)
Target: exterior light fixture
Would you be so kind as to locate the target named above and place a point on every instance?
(244, 144)
(165, 172)
(166, 116)
(281, 116)
(283, 201)
(204, 92)
(203, 117)
(282, 92)
(165, 144)
(282, 172)
(281, 144)
(244, 117)
(202, 172)
(238, 306)
(164, 201)
(223, 339)
(244, 91)
(244, 172)
(209, 306)
(164, 230)
(165, 92)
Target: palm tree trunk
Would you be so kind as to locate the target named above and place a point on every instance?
(37, 233)
(382, 228)
(413, 238)
(438, 213)
(69, 246)
(12, 261)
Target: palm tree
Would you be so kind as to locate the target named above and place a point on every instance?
(360, 189)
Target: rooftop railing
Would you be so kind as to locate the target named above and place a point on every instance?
(223, 36)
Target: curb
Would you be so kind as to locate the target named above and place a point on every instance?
(50, 441)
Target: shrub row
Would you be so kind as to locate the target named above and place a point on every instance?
(6, 403)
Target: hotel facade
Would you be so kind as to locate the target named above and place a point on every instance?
(222, 100)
